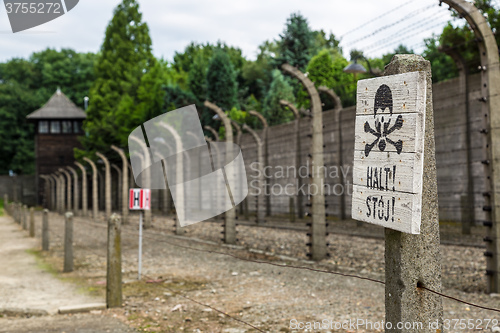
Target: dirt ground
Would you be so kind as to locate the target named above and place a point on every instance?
(268, 297)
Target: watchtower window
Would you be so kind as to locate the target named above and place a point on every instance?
(43, 126)
(55, 127)
(66, 126)
(77, 127)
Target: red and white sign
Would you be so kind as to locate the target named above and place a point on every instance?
(139, 199)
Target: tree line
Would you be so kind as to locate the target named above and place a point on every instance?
(127, 85)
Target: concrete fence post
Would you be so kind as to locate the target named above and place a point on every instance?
(25, 217)
(179, 175)
(62, 191)
(32, 222)
(45, 230)
(76, 191)
(119, 183)
(411, 260)
(261, 208)
(230, 215)
(95, 190)
(114, 263)
(68, 242)
(68, 188)
(490, 107)
(6, 203)
(318, 225)
(125, 185)
(85, 202)
(298, 156)
(265, 157)
(107, 186)
(336, 111)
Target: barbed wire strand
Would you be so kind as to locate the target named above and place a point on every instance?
(376, 18)
(303, 268)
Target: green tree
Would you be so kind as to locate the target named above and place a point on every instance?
(124, 58)
(197, 77)
(279, 89)
(296, 44)
(222, 88)
(25, 85)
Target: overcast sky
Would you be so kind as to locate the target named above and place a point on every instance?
(244, 23)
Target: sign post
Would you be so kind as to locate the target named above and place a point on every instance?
(140, 199)
(395, 186)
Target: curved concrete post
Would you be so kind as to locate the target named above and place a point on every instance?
(467, 200)
(229, 223)
(238, 132)
(125, 185)
(76, 190)
(62, 193)
(238, 142)
(107, 180)
(68, 189)
(490, 90)
(85, 202)
(166, 196)
(298, 155)
(146, 176)
(265, 132)
(318, 226)
(95, 195)
(260, 211)
(46, 194)
(119, 184)
(213, 131)
(336, 111)
(179, 200)
(53, 195)
(218, 190)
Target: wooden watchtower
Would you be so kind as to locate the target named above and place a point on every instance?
(57, 127)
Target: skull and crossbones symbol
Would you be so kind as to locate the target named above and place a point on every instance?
(383, 101)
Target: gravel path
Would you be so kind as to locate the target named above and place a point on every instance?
(30, 295)
(266, 296)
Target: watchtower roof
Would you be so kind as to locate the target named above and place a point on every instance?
(59, 106)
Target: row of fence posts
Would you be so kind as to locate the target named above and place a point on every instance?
(20, 213)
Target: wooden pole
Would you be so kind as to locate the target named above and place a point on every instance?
(114, 263)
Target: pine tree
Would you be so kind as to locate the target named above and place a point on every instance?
(125, 57)
(297, 42)
(222, 88)
(279, 89)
